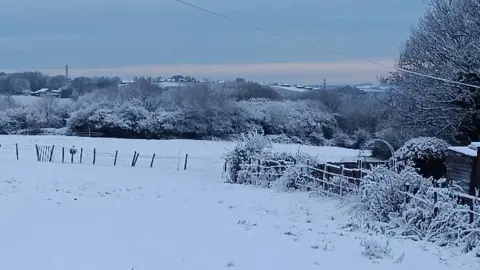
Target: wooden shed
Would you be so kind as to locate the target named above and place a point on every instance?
(463, 167)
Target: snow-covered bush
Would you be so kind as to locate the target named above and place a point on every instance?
(426, 154)
(384, 192)
(252, 162)
(294, 172)
(296, 119)
(343, 140)
(250, 148)
(405, 202)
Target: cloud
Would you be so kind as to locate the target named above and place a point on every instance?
(295, 72)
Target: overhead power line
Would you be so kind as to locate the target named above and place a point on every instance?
(296, 40)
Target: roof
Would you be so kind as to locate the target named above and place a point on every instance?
(465, 150)
(43, 90)
(470, 150)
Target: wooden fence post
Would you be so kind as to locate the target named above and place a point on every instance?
(341, 180)
(63, 154)
(94, 155)
(322, 168)
(475, 174)
(81, 154)
(435, 200)
(258, 167)
(115, 160)
(51, 154)
(153, 159)
(133, 160)
(470, 216)
(185, 163)
(38, 152)
(16, 149)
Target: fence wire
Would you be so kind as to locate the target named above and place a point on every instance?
(96, 156)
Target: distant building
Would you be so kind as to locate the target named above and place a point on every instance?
(47, 92)
(125, 82)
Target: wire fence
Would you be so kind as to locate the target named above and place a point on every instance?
(337, 180)
(96, 156)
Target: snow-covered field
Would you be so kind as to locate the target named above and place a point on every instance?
(81, 216)
(31, 100)
(201, 154)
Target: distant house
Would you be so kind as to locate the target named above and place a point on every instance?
(40, 92)
(47, 92)
(463, 167)
(125, 83)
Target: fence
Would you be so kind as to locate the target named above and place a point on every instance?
(94, 156)
(337, 180)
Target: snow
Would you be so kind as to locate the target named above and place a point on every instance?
(290, 88)
(31, 100)
(169, 148)
(465, 150)
(43, 90)
(81, 216)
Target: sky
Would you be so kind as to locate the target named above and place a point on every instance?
(163, 37)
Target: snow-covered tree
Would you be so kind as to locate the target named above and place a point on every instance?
(445, 44)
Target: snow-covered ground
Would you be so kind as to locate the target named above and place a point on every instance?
(167, 151)
(32, 100)
(81, 216)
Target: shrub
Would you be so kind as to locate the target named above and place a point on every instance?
(426, 154)
(383, 192)
(250, 146)
(408, 203)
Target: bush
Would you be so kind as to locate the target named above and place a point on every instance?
(407, 203)
(426, 154)
(250, 147)
(343, 140)
(384, 192)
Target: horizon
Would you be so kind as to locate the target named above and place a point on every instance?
(258, 72)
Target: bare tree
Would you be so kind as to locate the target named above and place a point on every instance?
(145, 91)
(47, 106)
(445, 44)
